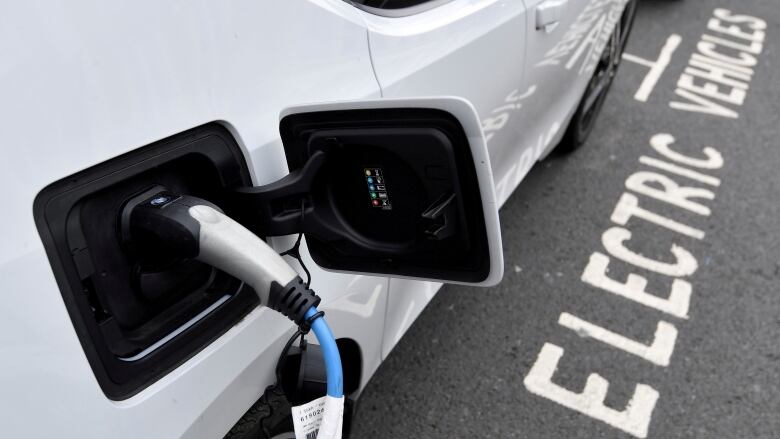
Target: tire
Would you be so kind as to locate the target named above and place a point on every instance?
(587, 112)
(271, 418)
(268, 418)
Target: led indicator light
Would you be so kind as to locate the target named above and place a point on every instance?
(162, 199)
(377, 190)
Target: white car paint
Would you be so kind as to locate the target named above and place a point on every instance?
(84, 81)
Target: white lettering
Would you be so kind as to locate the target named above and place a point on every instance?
(635, 419)
(707, 48)
(660, 143)
(685, 264)
(671, 193)
(701, 105)
(628, 206)
(679, 170)
(633, 288)
(726, 15)
(659, 352)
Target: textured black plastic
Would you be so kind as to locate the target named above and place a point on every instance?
(293, 299)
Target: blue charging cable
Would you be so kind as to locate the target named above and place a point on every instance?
(330, 352)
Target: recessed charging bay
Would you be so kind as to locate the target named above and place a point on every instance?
(138, 318)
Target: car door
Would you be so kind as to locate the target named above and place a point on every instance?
(565, 40)
(473, 49)
(469, 48)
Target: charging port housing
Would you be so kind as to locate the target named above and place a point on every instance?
(137, 319)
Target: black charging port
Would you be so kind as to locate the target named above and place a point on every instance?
(140, 315)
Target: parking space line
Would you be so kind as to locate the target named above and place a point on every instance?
(657, 67)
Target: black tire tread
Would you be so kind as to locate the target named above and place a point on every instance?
(269, 416)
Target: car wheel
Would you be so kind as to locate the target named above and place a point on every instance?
(584, 118)
(268, 418)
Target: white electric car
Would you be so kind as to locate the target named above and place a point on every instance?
(452, 101)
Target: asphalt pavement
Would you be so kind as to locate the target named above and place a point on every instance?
(513, 361)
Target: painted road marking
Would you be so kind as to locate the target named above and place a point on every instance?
(662, 144)
(635, 419)
(659, 352)
(679, 170)
(615, 239)
(646, 183)
(628, 207)
(657, 67)
(725, 62)
(676, 304)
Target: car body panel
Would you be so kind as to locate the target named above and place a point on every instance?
(450, 50)
(85, 81)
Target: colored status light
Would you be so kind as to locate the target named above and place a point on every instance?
(377, 189)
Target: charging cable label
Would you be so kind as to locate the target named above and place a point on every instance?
(307, 418)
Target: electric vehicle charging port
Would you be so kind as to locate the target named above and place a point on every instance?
(386, 190)
(139, 317)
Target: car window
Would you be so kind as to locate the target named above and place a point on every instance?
(396, 8)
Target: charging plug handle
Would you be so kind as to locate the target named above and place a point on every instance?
(187, 227)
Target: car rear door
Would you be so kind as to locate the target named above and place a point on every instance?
(565, 40)
(472, 49)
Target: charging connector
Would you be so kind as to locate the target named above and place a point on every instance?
(180, 226)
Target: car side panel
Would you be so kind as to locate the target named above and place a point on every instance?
(472, 49)
(84, 81)
(560, 63)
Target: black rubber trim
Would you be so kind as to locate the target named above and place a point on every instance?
(293, 299)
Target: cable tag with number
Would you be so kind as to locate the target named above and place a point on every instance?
(308, 418)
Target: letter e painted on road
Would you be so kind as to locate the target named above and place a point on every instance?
(635, 419)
